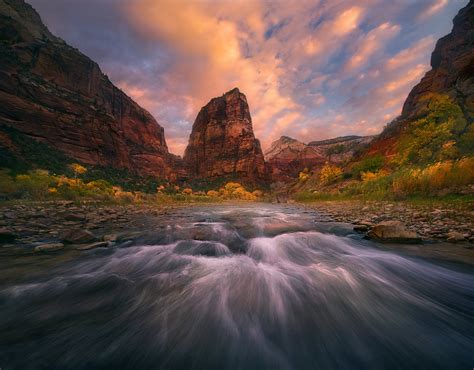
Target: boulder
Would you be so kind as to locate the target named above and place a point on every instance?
(77, 236)
(393, 232)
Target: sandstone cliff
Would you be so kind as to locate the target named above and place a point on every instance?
(222, 142)
(287, 157)
(55, 94)
(451, 74)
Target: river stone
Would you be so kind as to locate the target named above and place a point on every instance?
(393, 232)
(51, 247)
(7, 235)
(361, 228)
(93, 245)
(77, 236)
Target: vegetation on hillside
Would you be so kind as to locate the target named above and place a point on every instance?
(434, 157)
(41, 185)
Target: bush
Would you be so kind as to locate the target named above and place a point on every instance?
(440, 134)
(448, 175)
(330, 174)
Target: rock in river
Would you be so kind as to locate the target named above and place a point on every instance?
(393, 232)
(51, 247)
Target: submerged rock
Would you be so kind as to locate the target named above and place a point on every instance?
(50, 247)
(94, 245)
(393, 232)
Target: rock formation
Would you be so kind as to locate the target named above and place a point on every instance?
(55, 94)
(452, 74)
(222, 142)
(287, 157)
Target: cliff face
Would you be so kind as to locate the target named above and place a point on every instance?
(222, 142)
(55, 94)
(287, 157)
(452, 67)
(451, 74)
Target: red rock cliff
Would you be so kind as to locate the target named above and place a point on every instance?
(57, 95)
(222, 142)
(452, 74)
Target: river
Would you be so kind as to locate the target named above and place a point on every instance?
(241, 287)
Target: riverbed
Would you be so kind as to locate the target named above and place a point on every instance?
(237, 287)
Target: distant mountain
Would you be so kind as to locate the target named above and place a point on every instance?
(287, 157)
(451, 79)
(222, 142)
(52, 93)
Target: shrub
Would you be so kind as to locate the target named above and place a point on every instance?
(440, 134)
(330, 174)
(213, 193)
(447, 175)
(187, 191)
(77, 169)
(371, 176)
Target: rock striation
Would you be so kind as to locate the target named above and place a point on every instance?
(287, 156)
(222, 142)
(55, 94)
(452, 74)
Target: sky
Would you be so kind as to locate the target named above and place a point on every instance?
(311, 70)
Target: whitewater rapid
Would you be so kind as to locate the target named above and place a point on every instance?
(241, 287)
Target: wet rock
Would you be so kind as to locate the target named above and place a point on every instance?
(393, 232)
(94, 245)
(7, 235)
(50, 247)
(77, 236)
(110, 237)
(361, 228)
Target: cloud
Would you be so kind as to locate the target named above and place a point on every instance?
(310, 69)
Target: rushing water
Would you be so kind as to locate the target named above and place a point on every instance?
(241, 288)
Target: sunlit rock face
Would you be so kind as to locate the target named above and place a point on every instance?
(222, 142)
(55, 94)
(287, 157)
(452, 74)
(452, 67)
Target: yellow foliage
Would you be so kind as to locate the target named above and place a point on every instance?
(438, 176)
(77, 169)
(303, 177)
(370, 176)
(187, 191)
(329, 174)
(213, 193)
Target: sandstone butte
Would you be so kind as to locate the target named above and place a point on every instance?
(222, 142)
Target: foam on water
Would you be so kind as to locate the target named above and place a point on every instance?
(295, 300)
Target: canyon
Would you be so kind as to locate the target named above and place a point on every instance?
(52, 93)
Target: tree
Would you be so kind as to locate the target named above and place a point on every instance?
(77, 169)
